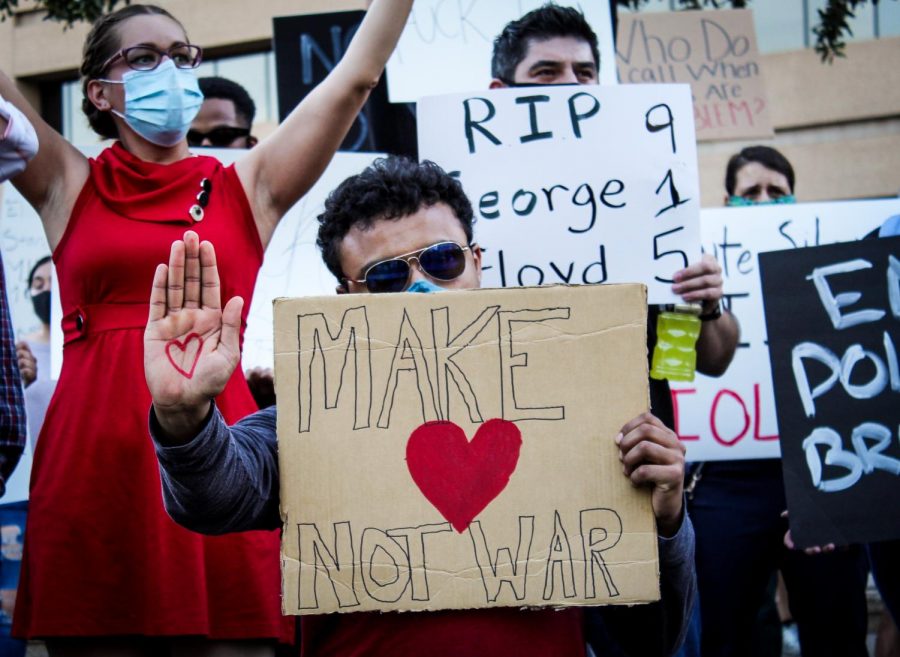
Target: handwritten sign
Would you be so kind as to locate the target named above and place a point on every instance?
(833, 316)
(574, 184)
(733, 416)
(455, 450)
(447, 46)
(713, 51)
(22, 244)
(307, 48)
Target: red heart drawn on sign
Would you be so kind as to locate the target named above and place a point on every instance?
(461, 477)
(183, 347)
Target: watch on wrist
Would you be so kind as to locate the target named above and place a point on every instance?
(712, 315)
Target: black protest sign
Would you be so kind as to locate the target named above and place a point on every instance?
(307, 48)
(833, 321)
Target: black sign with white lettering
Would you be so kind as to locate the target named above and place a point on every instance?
(833, 321)
(307, 48)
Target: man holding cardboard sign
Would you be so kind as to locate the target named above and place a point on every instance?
(400, 226)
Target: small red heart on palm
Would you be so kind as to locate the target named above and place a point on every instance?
(189, 353)
(461, 477)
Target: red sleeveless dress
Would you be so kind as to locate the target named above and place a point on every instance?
(101, 555)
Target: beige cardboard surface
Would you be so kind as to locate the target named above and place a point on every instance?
(713, 51)
(383, 513)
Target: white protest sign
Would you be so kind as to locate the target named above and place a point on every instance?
(581, 184)
(22, 244)
(447, 46)
(293, 265)
(733, 416)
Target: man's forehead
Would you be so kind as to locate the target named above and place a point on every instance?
(558, 48)
(219, 109)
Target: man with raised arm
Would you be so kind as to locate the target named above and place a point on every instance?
(220, 479)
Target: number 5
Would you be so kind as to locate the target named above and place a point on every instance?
(658, 255)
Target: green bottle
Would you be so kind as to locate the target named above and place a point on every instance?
(675, 353)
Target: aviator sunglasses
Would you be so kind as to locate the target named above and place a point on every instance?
(219, 137)
(443, 261)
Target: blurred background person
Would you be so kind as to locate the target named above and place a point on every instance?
(226, 116)
(40, 390)
(737, 509)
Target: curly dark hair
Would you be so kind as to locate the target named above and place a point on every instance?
(546, 22)
(391, 188)
(764, 155)
(101, 43)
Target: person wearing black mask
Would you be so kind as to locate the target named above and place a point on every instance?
(36, 347)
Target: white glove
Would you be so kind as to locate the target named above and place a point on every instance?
(18, 144)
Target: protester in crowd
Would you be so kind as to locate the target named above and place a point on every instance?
(737, 509)
(106, 571)
(393, 207)
(758, 175)
(33, 352)
(556, 45)
(226, 116)
(37, 347)
(18, 145)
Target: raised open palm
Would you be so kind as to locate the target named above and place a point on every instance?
(191, 344)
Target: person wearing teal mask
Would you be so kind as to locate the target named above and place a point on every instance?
(737, 511)
(397, 226)
(759, 175)
(105, 570)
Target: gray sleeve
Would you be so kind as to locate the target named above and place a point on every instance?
(658, 628)
(678, 580)
(226, 478)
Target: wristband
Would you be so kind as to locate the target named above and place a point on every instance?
(713, 314)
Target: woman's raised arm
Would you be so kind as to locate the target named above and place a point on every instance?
(54, 178)
(281, 169)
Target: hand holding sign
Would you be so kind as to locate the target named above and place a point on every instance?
(652, 456)
(191, 344)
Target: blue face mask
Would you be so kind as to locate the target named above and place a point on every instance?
(160, 104)
(424, 286)
(740, 201)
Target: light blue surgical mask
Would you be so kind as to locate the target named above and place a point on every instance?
(740, 201)
(424, 286)
(161, 104)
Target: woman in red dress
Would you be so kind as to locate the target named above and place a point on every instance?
(106, 571)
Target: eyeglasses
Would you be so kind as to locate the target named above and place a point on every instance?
(147, 58)
(219, 136)
(443, 261)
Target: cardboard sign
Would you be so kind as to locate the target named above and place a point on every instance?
(456, 450)
(447, 47)
(581, 184)
(733, 416)
(307, 48)
(713, 51)
(837, 387)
